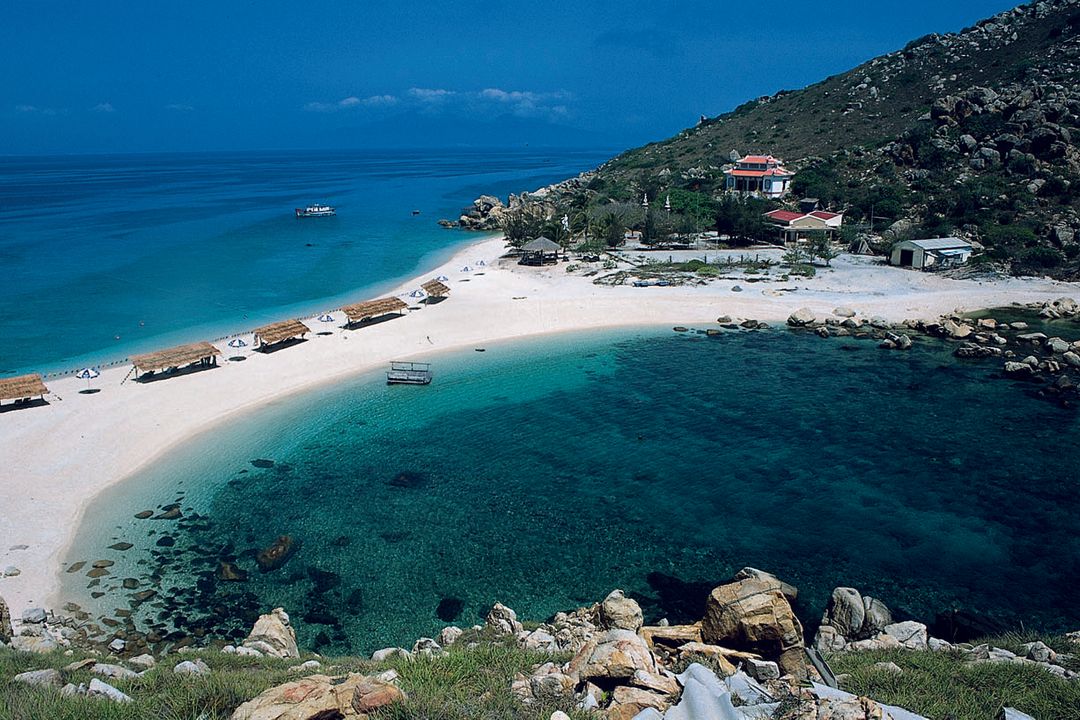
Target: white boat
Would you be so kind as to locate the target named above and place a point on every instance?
(315, 211)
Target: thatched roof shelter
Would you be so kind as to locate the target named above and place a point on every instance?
(540, 251)
(22, 387)
(281, 331)
(434, 288)
(176, 357)
(361, 311)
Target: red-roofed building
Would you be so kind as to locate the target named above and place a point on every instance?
(793, 224)
(759, 175)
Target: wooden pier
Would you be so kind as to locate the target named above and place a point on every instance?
(408, 373)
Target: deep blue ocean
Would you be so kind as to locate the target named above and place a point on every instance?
(102, 256)
(544, 473)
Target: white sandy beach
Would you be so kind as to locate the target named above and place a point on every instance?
(55, 458)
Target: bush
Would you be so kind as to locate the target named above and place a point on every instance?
(1041, 257)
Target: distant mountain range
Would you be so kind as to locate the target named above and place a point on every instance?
(972, 133)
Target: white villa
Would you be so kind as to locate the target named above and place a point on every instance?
(759, 175)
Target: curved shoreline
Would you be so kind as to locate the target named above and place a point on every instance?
(58, 458)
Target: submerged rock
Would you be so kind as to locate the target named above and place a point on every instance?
(449, 609)
(277, 554)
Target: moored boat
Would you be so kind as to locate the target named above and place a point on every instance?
(315, 211)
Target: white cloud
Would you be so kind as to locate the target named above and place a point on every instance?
(104, 107)
(179, 107)
(523, 103)
(431, 95)
(34, 109)
(380, 100)
(351, 102)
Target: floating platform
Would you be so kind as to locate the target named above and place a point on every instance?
(408, 373)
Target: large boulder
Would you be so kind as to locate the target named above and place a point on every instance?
(755, 615)
(845, 612)
(802, 317)
(877, 616)
(503, 620)
(320, 697)
(790, 591)
(5, 623)
(617, 654)
(620, 612)
(910, 634)
(273, 635)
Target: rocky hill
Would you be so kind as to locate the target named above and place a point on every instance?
(972, 133)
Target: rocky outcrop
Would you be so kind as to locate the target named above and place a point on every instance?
(273, 635)
(321, 697)
(503, 620)
(754, 615)
(620, 612)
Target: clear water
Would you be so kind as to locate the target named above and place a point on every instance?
(107, 255)
(545, 473)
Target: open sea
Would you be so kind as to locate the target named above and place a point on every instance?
(543, 473)
(103, 256)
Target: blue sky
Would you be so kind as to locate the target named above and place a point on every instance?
(112, 76)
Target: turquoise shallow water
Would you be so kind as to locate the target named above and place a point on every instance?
(103, 256)
(544, 473)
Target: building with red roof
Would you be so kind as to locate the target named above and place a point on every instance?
(759, 175)
(792, 224)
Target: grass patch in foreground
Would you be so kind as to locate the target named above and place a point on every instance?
(465, 684)
(944, 686)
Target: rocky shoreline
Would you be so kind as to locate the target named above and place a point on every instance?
(1050, 361)
(746, 657)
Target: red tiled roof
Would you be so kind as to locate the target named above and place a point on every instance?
(824, 215)
(784, 216)
(758, 159)
(737, 172)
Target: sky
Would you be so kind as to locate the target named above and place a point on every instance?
(106, 76)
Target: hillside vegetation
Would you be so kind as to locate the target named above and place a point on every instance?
(971, 133)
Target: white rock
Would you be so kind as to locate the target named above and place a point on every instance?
(105, 690)
(762, 670)
(192, 667)
(428, 647)
(910, 634)
(71, 690)
(34, 616)
(559, 715)
(34, 644)
(390, 653)
(228, 650)
(248, 652)
(41, 678)
(503, 620)
(889, 667)
(113, 671)
(449, 635)
(308, 665)
(117, 645)
(273, 635)
(12, 571)
(144, 661)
